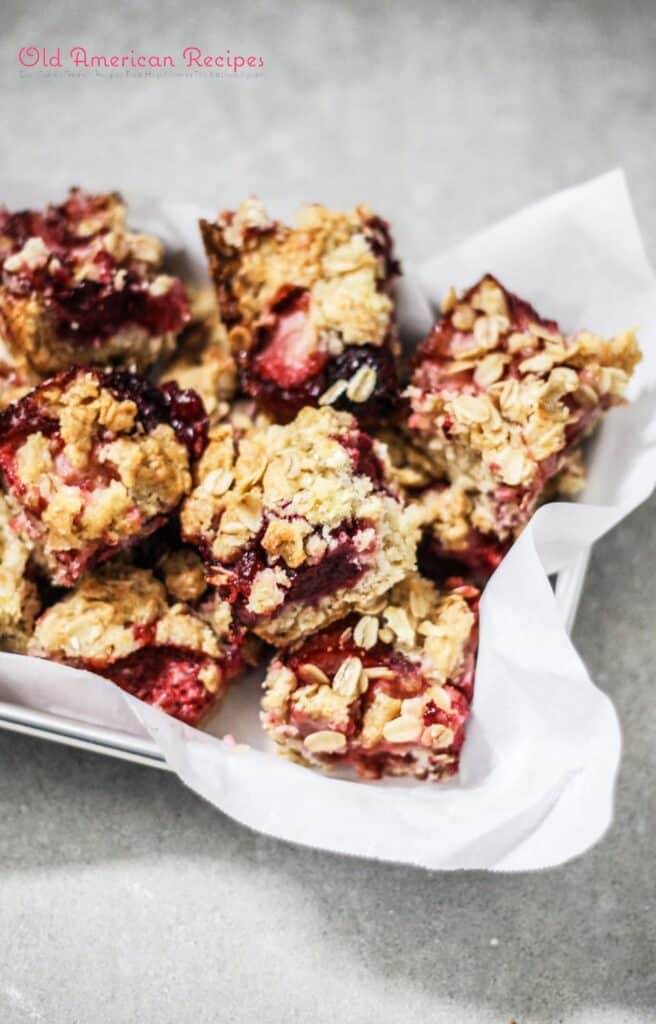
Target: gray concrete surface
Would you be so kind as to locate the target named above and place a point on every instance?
(122, 896)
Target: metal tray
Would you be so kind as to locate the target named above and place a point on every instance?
(58, 729)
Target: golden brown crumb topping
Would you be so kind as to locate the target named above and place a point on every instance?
(292, 488)
(327, 252)
(94, 252)
(109, 477)
(413, 629)
(19, 600)
(411, 467)
(184, 574)
(494, 403)
(451, 511)
(115, 611)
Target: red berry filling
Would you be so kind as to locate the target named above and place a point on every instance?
(477, 558)
(341, 566)
(283, 401)
(181, 408)
(288, 353)
(167, 678)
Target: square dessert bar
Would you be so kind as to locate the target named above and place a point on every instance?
(388, 692)
(78, 286)
(500, 401)
(298, 524)
(94, 461)
(121, 623)
(309, 308)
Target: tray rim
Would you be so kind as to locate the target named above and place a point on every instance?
(140, 750)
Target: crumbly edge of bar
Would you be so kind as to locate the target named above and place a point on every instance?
(432, 631)
(205, 362)
(119, 609)
(19, 599)
(393, 556)
(300, 482)
(327, 252)
(152, 468)
(499, 430)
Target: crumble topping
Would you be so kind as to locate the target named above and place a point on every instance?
(272, 508)
(19, 599)
(77, 285)
(84, 472)
(119, 621)
(499, 396)
(99, 620)
(327, 252)
(388, 692)
(184, 574)
(309, 308)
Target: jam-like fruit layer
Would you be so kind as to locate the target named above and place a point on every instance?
(290, 372)
(340, 567)
(289, 366)
(476, 559)
(166, 677)
(181, 408)
(58, 226)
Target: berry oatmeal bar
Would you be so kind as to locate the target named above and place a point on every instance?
(93, 461)
(309, 308)
(500, 400)
(388, 692)
(299, 524)
(121, 623)
(19, 598)
(78, 286)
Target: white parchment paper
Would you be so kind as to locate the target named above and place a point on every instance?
(543, 747)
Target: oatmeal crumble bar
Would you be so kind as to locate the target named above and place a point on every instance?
(94, 461)
(298, 524)
(205, 362)
(501, 399)
(309, 307)
(78, 286)
(120, 622)
(387, 692)
(19, 598)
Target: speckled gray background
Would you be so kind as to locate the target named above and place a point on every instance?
(123, 897)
